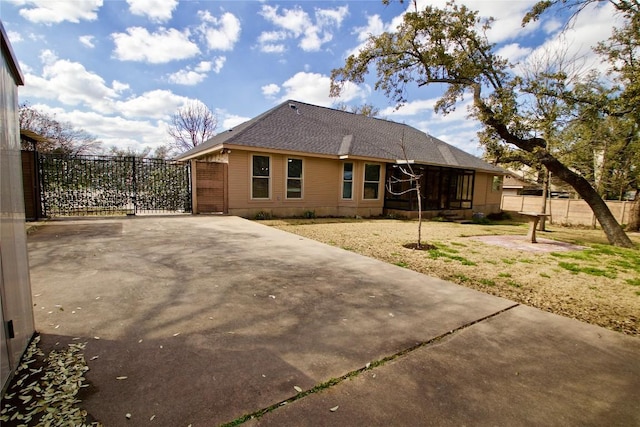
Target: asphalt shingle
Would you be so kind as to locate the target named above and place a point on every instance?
(311, 129)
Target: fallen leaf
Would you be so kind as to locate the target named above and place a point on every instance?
(334, 409)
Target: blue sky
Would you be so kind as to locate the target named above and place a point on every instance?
(119, 69)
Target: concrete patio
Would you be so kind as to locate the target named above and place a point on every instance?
(211, 318)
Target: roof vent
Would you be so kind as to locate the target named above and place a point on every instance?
(294, 107)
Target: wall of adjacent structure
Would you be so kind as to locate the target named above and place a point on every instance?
(322, 188)
(567, 211)
(486, 196)
(15, 286)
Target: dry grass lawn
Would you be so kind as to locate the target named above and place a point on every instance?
(599, 284)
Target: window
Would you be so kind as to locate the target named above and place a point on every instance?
(347, 181)
(294, 178)
(496, 185)
(461, 195)
(371, 181)
(260, 177)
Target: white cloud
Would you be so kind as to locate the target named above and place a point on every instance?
(314, 89)
(72, 84)
(231, 120)
(273, 48)
(87, 41)
(54, 12)
(155, 10)
(220, 33)
(113, 130)
(218, 63)
(119, 86)
(268, 41)
(508, 16)
(191, 76)
(157, 104)
(331, 17)
(295, 23)
(292, 20)
(204, 66)
(513, 52)
(68, 82)
(374, 27)
(186, 77)
(270, 90)
(165, 45)
(410, 108)
(14, 36)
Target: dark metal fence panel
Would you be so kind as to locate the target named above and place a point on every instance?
(112, 185)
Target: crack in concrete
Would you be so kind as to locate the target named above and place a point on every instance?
(369, 366)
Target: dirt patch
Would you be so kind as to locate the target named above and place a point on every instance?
(571, 272)
(522, 244)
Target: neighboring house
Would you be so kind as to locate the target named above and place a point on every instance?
(15, 286)
(298, 158)
(515, 185)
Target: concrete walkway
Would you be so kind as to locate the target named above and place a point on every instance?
(211, 318)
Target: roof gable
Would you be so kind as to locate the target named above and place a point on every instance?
(305, 128)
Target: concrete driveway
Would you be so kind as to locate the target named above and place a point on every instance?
(212, 318)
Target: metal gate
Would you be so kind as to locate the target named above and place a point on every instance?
(112, 185)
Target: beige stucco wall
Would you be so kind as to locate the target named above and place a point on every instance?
(321, 188)
(485, 199)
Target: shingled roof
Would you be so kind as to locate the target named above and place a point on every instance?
(295, 126)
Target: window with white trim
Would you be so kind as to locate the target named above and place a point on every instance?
(294, 178)
(347, 181)
(371, 181)
(260, 177)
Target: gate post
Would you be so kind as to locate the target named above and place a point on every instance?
(194, 187)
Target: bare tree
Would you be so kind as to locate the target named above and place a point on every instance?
(59, 137)
(409, 182)
(191, 125)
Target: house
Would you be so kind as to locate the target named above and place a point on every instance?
(16, 309)
(299, 158)
(515, 185)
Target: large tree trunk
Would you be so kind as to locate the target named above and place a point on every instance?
(537, 146)
(611, 227)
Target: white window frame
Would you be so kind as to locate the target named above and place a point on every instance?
(365, 182)
(268, 178)
(301, 179)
